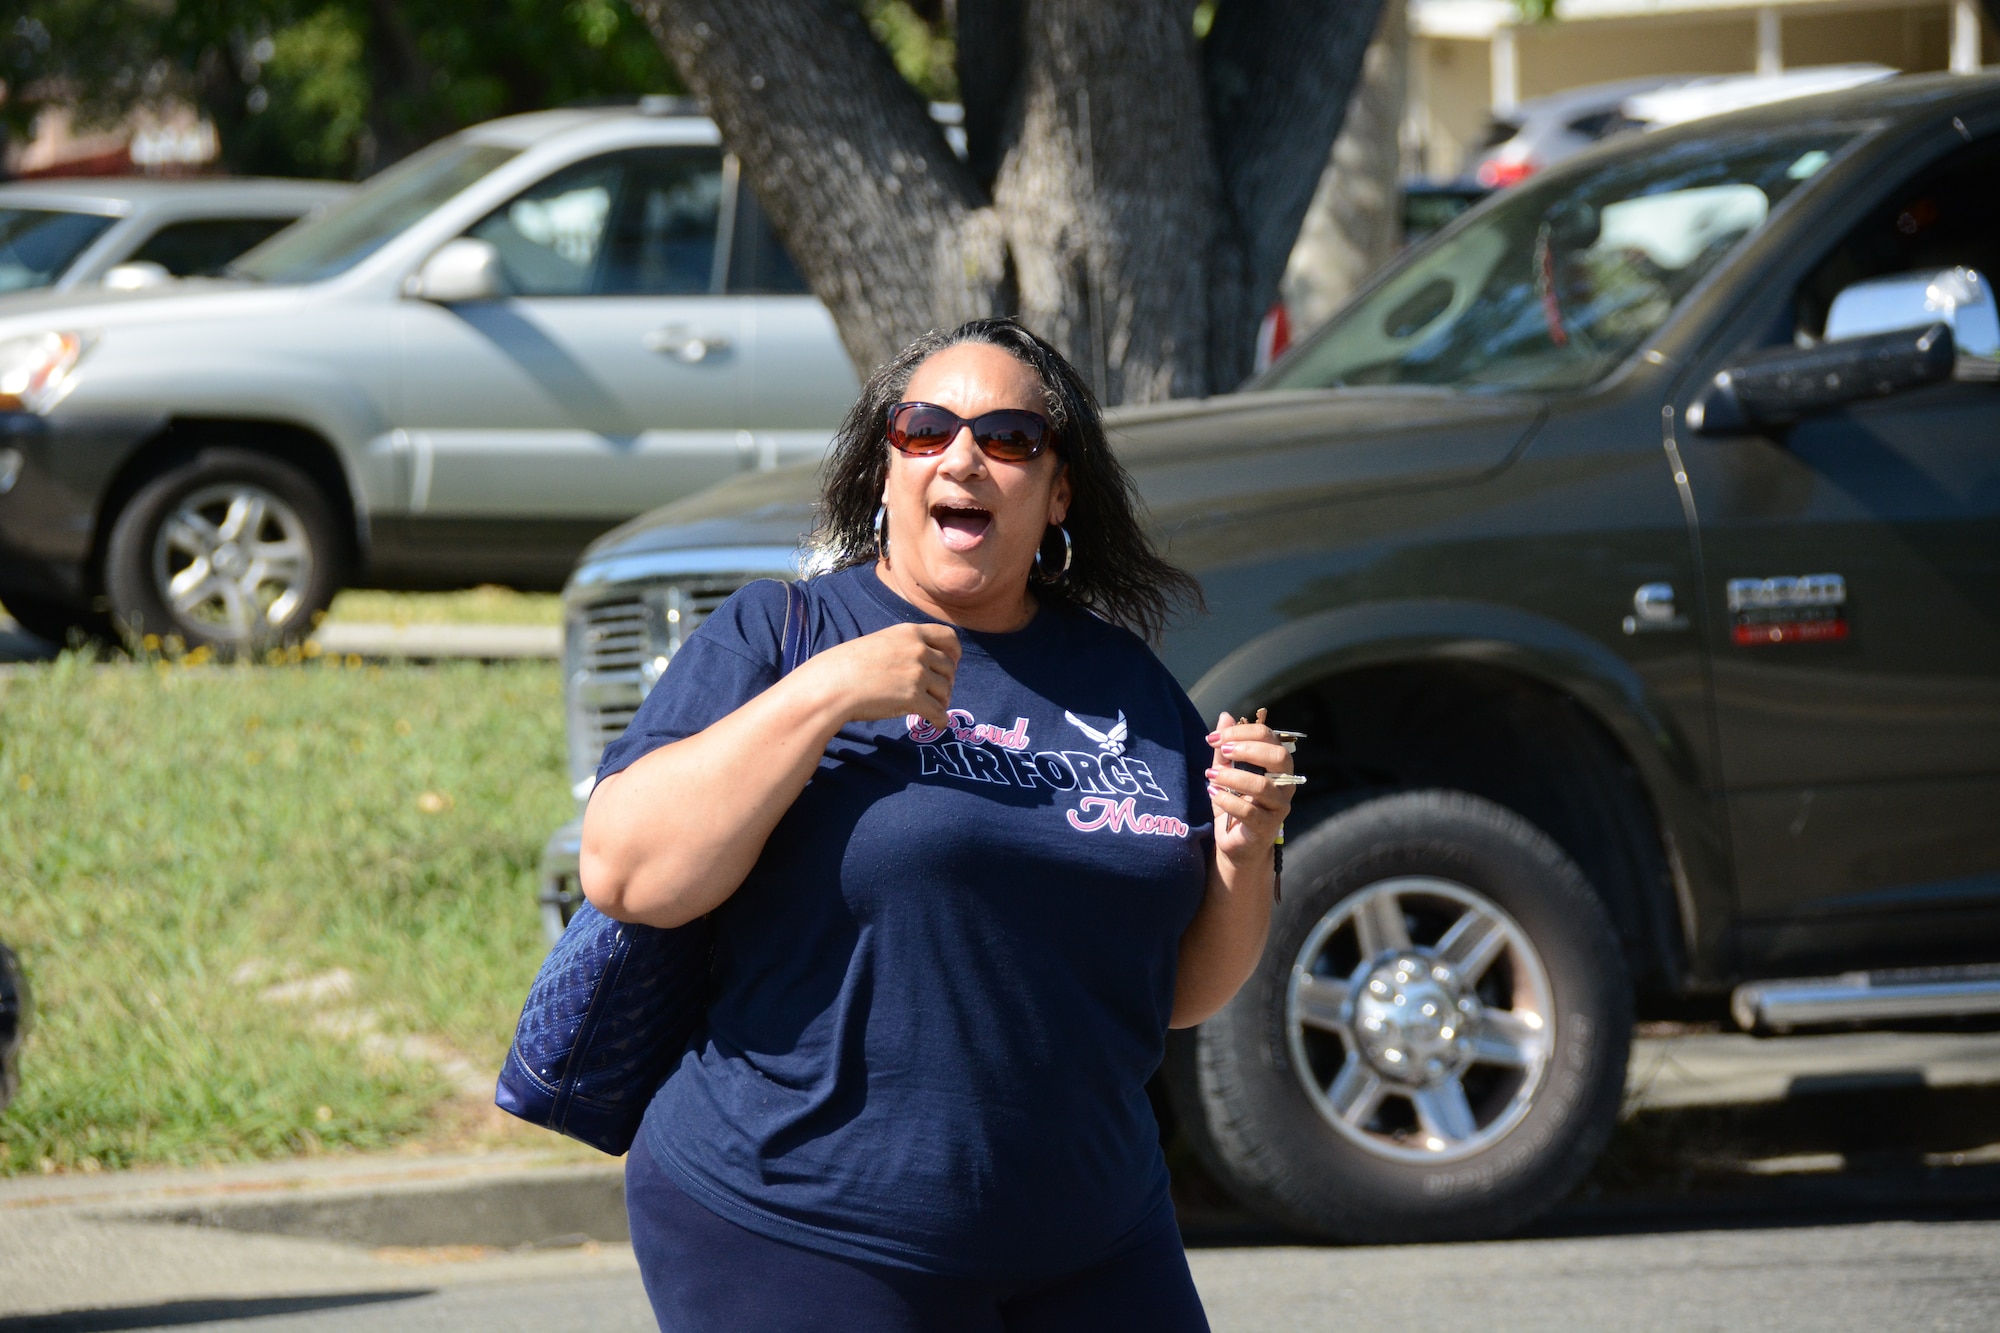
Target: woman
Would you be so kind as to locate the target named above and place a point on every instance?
(966, 864)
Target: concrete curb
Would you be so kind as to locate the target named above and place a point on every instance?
(502, 1200)
(532, 1209)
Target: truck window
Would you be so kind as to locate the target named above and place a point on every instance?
(1558, 281)
(1948, 215)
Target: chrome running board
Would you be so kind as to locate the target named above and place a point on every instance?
(1867, 997)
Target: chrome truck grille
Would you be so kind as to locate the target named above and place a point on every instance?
(616, 642)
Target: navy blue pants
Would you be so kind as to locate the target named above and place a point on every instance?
(706, 1274)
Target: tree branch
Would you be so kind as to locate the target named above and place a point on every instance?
(891, 229)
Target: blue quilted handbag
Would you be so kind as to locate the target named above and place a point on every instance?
(613, 1008)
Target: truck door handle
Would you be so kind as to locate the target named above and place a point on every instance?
(684, 345)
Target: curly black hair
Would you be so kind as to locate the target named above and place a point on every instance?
(1114, 570)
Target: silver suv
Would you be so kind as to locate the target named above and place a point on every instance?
(478, 361)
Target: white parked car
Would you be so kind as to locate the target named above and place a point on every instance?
(1546, 130)
(67, 234)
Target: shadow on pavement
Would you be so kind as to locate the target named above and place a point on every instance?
(175, 1314)
(1839, 1151)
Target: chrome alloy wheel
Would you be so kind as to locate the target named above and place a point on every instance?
(231, 560)
(1420, 1020)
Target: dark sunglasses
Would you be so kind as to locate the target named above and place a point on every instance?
(1012, 435)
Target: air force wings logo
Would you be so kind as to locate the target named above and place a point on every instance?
(1112, 742)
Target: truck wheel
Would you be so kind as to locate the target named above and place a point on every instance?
(1434, 1045)
(230, 550)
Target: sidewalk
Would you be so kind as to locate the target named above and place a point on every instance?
(372, 1227)
(423, 642)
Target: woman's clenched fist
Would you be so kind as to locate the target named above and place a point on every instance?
(891, 673)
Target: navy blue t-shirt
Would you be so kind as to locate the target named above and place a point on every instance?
(943, 986)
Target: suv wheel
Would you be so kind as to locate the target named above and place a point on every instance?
(230, 550)
(1434, 1045)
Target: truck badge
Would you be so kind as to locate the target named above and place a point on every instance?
(1653, 610)
(1802, 608)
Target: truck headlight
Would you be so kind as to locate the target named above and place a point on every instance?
(34, 371)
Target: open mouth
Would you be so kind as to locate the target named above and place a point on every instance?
(960, 525)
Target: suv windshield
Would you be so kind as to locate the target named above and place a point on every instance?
(36, 244)
(372, 216)
(1562, 279)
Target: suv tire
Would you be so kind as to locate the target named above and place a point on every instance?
(1434, 1045)
(229, 550)
(51, 620)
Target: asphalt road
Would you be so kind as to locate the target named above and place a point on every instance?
(1869, 1276)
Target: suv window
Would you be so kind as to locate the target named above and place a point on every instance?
(390, 203)
(1948, 215)
(758, 264)
(1557, 282)
(634, 223)
(200, 247)
(36, 244)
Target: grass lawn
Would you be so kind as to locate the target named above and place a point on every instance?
(262, 908)
(485, 605)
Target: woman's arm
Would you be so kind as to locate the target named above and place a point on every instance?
(1222, 944)
(671, 837)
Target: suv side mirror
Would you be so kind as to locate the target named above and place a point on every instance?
(1777, 387)
(461, 270)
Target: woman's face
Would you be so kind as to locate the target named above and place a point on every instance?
(963, 528)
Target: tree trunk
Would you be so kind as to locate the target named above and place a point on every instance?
(1354, 225)
(1130, 192)
(1110, 195)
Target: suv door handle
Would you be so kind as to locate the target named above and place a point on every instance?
(683, 344)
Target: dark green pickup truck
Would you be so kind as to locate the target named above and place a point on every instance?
(1631, 554)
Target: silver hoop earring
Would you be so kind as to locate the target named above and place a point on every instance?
(1068, 552)
(882, 533)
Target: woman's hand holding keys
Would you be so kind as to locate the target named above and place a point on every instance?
(1250, 806)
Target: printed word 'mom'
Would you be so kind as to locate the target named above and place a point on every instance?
(1118, 817)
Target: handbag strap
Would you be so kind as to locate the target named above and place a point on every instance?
(797, 639)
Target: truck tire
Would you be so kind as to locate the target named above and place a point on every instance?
(1434, 1045)
(230, 550)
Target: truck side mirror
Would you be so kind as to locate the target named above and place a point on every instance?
(1777, 387)
(1959, 297)
(461, 270)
